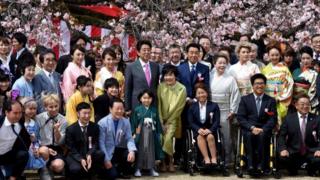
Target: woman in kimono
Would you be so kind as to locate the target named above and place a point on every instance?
(244, 69)
(305, 77)
(108, 71)
(146, 130)
(171, 100)
(224, 92)
(279, 81)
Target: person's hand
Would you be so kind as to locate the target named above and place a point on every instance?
(201, 132)
(230, 116)
(207, 132)
(89, 161)
(56, 126)
(52, 152)
(131, 157)
(36, 152)
(257, 131)
(108, 165)
(317, 153)
(138, 129)
(284, 153)
(84, 164)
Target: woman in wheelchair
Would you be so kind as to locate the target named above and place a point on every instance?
(204, 117)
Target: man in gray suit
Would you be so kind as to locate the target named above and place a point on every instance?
(47, 80)
(140, 75)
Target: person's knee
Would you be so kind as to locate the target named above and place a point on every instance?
(200, 138)
(210, 138)
(75, 169)
(99, 155)
(57, 165)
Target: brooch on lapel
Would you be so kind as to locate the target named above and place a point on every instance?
(211, 117)
(90, 142)
(270, 113)
(200, 78)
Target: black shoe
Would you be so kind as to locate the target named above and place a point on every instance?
(251, 171)
(293, 173)
(259, 171)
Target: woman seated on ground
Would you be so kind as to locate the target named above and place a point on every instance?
(204, 119)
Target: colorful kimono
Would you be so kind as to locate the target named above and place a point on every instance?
(171, 102)
(242, 74)
(225, 92)
(305, 83)
(279, 86)
(69, 79)
(74, 100)
(146, 127)
(104, 74)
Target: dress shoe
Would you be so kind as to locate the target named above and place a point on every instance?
(154, 173)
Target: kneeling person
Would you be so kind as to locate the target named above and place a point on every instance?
(82, 140)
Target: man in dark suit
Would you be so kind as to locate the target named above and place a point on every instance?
(257, 117)
(47, 80)
(14, 140)
(141, 74)
(82, 140)
(191, 71)
(299, 139)
(20, 52)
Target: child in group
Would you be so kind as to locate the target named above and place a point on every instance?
(30, 111)
(24, 84)
(52, 134)
(82, 94)
(5, 92)
(146, 129)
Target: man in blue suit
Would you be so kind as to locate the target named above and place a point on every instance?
(257, 116)
(116, 141)
(47, 80)
(192, 72)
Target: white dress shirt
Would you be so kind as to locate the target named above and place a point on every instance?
(190, 66)
(300, 119)
(7, 136)
(203, 110)
(143, 64)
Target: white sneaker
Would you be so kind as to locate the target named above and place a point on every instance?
(154, 173)
(137, 173)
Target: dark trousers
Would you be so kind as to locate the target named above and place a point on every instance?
(294, 162)
(120, 165)
(256, 144)
(18, 159)
(76, 170)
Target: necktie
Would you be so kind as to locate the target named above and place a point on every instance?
(303, 135)
(258, 104)
(84, 134)
(51, 78)
(15, 132)
(193, 71)
(147, 74)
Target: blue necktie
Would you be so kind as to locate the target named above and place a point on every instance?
(193, 71)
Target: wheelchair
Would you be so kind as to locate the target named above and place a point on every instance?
(241, 159)
(193, 157)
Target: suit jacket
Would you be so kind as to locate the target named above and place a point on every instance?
(110, 138)
(101, 106)
(25, 137)
(201, 75)
(248, 114)
(212, 117)
(290, 138)
(15, 63)
(135, 82)
(42, 84)
(78, 146)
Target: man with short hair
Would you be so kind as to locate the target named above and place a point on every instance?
(47, 80)
(156, 55)
(205, 42)
(299, 139)
(315, 41)
(82, 140)
(257, 117)
(14, 140)
(174, 55)
(141, 74)
(116, 141)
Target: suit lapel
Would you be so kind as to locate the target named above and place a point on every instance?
(297, 125)
(264, 103)
(140, 68)
(79, 131)
(253, 103)
(194, 78)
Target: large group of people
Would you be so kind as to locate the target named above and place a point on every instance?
(92, 113)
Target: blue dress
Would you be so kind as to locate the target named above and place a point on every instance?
(33, 130)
